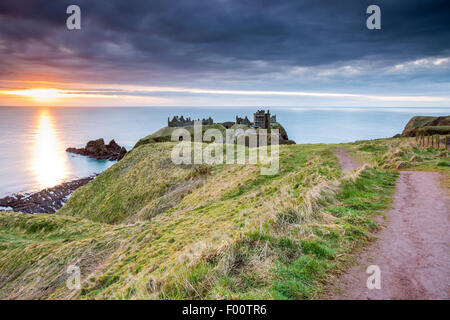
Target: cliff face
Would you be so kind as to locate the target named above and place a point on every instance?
(427, 124)
(165, 134)
(440, 121)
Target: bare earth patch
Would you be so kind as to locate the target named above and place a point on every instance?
(412, 251)
(346, 162)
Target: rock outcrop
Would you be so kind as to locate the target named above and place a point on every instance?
(97, 149)
(427, 125)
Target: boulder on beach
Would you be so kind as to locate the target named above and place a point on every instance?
(97, 149)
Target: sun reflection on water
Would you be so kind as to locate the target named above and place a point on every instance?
(49, 163)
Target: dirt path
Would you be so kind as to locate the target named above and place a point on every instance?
(346, 162)
(412, 251)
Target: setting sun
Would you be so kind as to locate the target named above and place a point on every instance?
(48, 164)
(39, 94)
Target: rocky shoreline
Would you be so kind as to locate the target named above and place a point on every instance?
(48, 200)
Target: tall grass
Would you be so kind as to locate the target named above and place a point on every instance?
(148, 229)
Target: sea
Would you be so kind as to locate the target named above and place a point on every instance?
(33, 140)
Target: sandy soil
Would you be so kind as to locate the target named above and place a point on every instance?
(412, 251)
(346, 162)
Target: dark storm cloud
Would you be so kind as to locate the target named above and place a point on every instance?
(177, 40)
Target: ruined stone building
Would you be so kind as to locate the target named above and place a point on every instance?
(243, 121)
(261, 119)
(207, 121)
(179, 122)
(182, 122)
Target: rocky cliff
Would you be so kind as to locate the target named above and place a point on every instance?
(97, 149)
(427, 124)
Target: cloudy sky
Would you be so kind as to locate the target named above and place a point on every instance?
(225, 53)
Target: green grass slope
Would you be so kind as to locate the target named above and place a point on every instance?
(143, 184)
(427, 125)
(165, 134)
(147, 229)
(400, 153)
(35, 251)
(430, 130)
(416, 122)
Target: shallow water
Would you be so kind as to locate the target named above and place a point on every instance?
(33, 140)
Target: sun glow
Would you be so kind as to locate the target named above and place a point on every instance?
(41, 95)
(48, 165)
(141, 95)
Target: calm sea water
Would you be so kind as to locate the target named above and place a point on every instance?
(33, 140)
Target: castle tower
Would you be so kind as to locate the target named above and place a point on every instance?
(261, 119)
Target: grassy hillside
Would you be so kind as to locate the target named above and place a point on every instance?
(430, 130)
(146, 228)
(400, 153)
(427, 125)
(418, 121)
(165, 134)
(140, 186)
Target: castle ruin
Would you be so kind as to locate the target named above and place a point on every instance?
(243, 121)
(261, 119)
(182, 122)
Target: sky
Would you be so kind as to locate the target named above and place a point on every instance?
(225, 53)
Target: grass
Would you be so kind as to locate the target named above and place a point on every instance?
(165, 134)
(431, 130)
(291, 256)
(133, 188)
(36, 250)
(351, 224)
(417, 122)
(400, 153)
(146, 228)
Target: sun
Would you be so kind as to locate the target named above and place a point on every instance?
(42, 95)
(38, 94)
